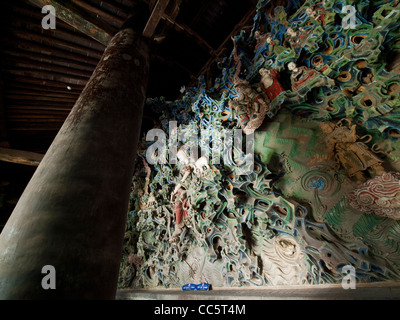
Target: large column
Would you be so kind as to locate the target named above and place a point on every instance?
(72, 214)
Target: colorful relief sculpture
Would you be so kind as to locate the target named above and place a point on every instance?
(304, 79)
(180, 197)
(350, 152)
(271, 87)
(250, 105)
(265, 44)
(270, 83)
(380, 195)
(316, 14)
(321, 194)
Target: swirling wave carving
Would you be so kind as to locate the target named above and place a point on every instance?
(380, 196)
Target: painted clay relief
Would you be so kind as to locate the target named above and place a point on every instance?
(322, 103)
(380, 196)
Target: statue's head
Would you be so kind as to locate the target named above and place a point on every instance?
(291, 32)
(291, 66)
(309, 11)
(264, 72)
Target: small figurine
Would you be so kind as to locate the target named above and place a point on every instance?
(266, 45)
(351, 153)
(271, 45)
(293, 38)
(316, 14)
(180, 208)
(305, 39)
(270, 84)
(179, 197)
(312, 13)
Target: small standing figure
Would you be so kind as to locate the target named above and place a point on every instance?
(270, 83)
(180, 200)
(316, 14)
(181, 210)
(270, 41)
(352, 154)
(265, 44)
(293, 38)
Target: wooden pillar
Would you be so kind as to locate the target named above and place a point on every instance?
(72, 214)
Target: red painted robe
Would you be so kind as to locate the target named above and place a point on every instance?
(275, 89)
(180, 208)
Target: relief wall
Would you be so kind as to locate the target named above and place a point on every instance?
(316, 94)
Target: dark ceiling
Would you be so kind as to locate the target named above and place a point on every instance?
(44, 71)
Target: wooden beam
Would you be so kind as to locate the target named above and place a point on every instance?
(3, 122)
(155, 18)
(53, 42)
(48, 76)
(118, 21)
(47, 51)
(80, 19)
(20, 157)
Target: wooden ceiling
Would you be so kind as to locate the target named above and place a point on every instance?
(44, 71)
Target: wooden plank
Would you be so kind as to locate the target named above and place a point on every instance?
(28, 98)
(44, 50)
(116, 20)
(30, 56)
(20, 157)
(79, 19)
(53, 42)
(39, 66)
(46, 84)
(155, 18)
(47, 76)
(24, 93)
(3, 123)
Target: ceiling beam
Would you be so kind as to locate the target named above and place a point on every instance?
(155, 18)
(20, 157)
(80, 19)
(116, 20)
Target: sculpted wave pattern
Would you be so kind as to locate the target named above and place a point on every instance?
(380, 195)
(196, 221)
